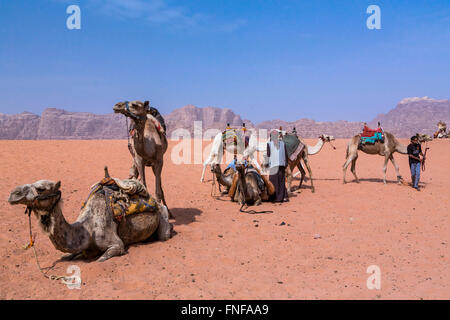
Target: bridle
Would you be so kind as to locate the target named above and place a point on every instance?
(327, 140)
(133, 115)
(39, 197)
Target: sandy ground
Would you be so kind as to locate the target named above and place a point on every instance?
(220, 253)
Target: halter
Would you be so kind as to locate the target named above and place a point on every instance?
(133, 115)
(31, 207)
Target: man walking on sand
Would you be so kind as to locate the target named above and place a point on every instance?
(414, 153)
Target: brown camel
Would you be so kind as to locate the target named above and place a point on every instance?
(95, 231)
(248, 191)
(226, 178)
(386, 149)
(148, 145)
(303, 155)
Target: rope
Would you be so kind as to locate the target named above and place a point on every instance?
(32, 245)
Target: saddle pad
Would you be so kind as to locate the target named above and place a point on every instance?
(135, 205)
(157, 124)
(292, 142)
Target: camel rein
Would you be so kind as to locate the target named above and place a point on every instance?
(28, 211)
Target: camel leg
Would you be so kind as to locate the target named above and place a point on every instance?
(134, 174)
(397, 171)
(111, 243)
(140, 164)
(112, 251)
(205, 164)
(386, 159)
(157, 169)
(289, 177)
(303, 173)
(350, 157)
(306, 161)
(352, 169)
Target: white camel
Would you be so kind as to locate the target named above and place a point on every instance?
(216, 154)
(316, 148)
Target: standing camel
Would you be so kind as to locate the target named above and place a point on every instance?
(385, 148)
(147, 145)
(303, 155)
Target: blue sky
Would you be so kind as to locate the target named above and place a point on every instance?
(279, 59)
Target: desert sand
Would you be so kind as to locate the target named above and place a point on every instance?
(317, 246)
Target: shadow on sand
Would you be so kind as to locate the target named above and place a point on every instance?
(185, 215)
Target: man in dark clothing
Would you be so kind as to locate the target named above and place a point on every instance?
(414, 153)
(278, 160)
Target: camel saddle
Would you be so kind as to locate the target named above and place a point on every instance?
(371, 136)
(233, 136)
(293, 145)
(124, 197)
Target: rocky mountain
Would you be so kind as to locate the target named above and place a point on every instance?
(210, 117)
(411, 115)
(61, 124)
(414, 115)
(308, 128)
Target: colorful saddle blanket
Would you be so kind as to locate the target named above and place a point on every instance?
(371, 136)
(234, 136)
(124, 197)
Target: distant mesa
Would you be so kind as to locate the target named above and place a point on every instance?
(410, 116)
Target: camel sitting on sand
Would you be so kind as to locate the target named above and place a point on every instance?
(95, 231)
(219, 146)
(385, 148)
(226, 178)
(147, 145)
(248, 190)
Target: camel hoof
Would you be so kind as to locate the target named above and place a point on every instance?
(313, 190)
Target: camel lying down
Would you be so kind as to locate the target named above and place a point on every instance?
(96, 231)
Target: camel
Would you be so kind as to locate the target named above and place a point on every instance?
(303, 155)
(442, 131)
(226, 178)
(95, 231)
(385, 148)
(218, 147)
(307, 151)
(248, 191)
(423, 137)
(147, 145)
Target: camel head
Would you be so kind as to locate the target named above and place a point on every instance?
(40, 194)
(215, 168)
(423, 137)
(240, 166)
(326, 138)
(133, 109)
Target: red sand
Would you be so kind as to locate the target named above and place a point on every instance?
(220, 253)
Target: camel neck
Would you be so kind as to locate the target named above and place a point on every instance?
(315, 149)
(63, 235)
